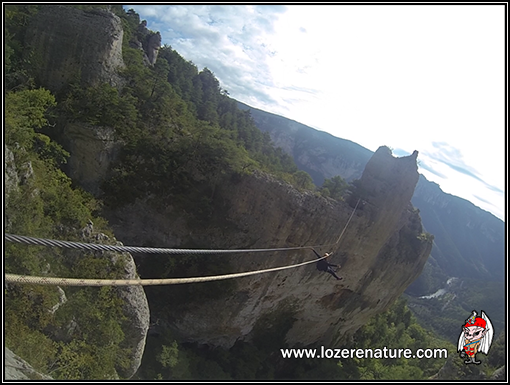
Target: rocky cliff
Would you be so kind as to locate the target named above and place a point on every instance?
(469, 242)
(381, 252)
(148, 42)
(135, 307)
(16, 368)
(67, 44)
(93, 148)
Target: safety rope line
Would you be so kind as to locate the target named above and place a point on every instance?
(14, 278)
(133, 249)
(152, 250)
(347, 224)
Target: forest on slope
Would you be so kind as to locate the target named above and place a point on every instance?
(182, 134)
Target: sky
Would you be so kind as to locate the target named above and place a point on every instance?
(412, 77)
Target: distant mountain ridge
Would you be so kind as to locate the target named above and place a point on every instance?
(319, 153)
(469, 241)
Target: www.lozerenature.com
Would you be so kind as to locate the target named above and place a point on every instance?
(364, 353)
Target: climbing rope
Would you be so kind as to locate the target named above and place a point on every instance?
(347, 224)
(153, 250)
(14, 278)
(131, 249)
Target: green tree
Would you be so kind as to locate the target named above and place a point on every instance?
(169, 355)
(334, 187)
(17, 60)
(25, 112)
(303, 180)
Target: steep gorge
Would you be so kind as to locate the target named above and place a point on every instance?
(381, 252)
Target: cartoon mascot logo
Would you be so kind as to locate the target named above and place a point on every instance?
(476, 337)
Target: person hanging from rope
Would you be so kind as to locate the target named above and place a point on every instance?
(324, 265)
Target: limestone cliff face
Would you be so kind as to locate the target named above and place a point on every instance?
(69, 44)
(16, 368)
(381, 252)
(92, 150)
(11, 179)
(135, 308)
(468, 243)
(147, 42)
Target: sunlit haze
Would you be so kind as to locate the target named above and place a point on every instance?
(413, 77)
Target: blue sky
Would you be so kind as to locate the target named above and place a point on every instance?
(413, 77)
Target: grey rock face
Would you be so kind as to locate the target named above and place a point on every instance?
(469, 242)
(381, 252)
(152, 47)
(73, 45)
(136, 325)
(148, 42)
(92, 150)
(135, 307)
(11, 179)
(17, 369)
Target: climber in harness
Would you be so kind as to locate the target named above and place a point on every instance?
(324, 265)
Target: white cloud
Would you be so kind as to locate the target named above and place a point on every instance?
(406, 76)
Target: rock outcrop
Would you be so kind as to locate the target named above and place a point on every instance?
(135, 324)
(137, 319)
(11, 179)
(92, 150)
(469, 242)
(69, 44)
(17, 369)
(381, 252)
(148, 42)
